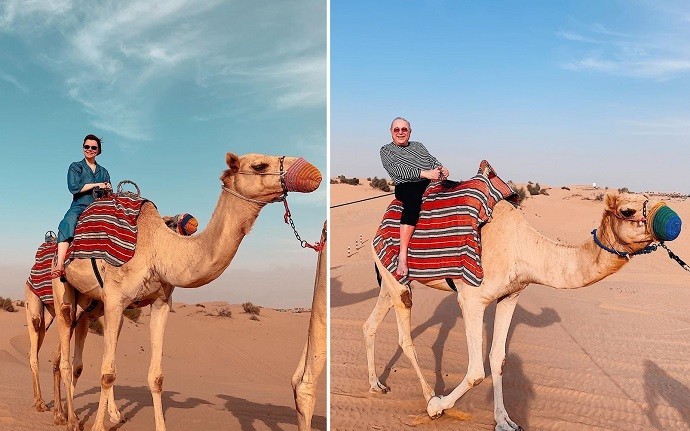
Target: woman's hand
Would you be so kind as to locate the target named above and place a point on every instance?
(106, 186)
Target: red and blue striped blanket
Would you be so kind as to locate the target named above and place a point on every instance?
(107, 229)
(39, 279)
(446, 241)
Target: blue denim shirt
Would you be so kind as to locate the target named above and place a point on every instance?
(78, 175)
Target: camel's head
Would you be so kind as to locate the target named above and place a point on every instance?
(634, 222)
(267, 178)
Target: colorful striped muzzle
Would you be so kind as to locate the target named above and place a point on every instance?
(302, 177)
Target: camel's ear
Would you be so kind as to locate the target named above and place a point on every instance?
(612, 201)
(233, 162)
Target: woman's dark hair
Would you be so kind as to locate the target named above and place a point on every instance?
(94, 138)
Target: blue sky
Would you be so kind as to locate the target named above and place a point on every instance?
(170, 87)
(558, 92)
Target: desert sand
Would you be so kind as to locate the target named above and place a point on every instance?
(611, 356)
(220, 373)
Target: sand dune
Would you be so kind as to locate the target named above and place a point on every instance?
(612, 356)
(220, 373)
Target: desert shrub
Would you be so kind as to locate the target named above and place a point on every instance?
(20, 303)
(381, 184)
(369, 178)
(6, 304)
(254, 317)
(351, 181)
(533, 189)
(334, 181)
(132, 314)
(543, 192)
(250, 308)
(521, 195)
(599, 197)
(96, 327)
(623, 190)
(565, 188)
(224, 312)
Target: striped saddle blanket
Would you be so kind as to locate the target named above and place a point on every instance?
(446, 242)
(107, 229)
(39, 279)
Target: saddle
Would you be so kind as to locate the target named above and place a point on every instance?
(446, 242)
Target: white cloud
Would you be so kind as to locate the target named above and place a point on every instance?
(117, 59)
(661, 51)
(12, 80)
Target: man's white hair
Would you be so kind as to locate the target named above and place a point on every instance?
(401, 118)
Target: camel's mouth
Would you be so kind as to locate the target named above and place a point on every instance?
(302, 177)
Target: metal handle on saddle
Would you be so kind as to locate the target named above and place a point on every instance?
(120, 192)
(50, 236)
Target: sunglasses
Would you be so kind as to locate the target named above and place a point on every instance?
(91, 147)
(401, 129)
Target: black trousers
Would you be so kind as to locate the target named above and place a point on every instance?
(411, 196)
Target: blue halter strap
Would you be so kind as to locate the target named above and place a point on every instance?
(650, 248)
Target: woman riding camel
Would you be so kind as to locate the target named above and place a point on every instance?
(82, 178)
(412, 168)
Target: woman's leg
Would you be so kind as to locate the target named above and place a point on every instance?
(61, 253)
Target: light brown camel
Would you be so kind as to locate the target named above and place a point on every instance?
(514, 255)
(164, 259)
(314, 354)
(36, 323)
(37, 326)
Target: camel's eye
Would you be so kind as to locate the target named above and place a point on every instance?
(260, 167)
(628, 212)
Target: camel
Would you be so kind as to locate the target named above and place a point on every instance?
(314, 354)
(37, 327)
(164, 259)
(514, 255)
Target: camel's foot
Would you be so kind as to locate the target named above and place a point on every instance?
(115, 415)
(379, 388)
(40, 405)
(505, 424)
(74, 425)
(59, 418)
(434, 408)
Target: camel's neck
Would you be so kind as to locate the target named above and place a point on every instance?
(569, 267)
(200, 259)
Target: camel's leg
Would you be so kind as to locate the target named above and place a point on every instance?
(59, 417)
(314, 355)
(37, 329)
(504, 314)
(113, 308)
(159, 316)
(381, 309)
(80, 332)
(65, 311)
(473, 311)
(401, 297)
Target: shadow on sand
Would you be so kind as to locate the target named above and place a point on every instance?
(343, 299)
(660, 386)
(131, 399)
(246, 412)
